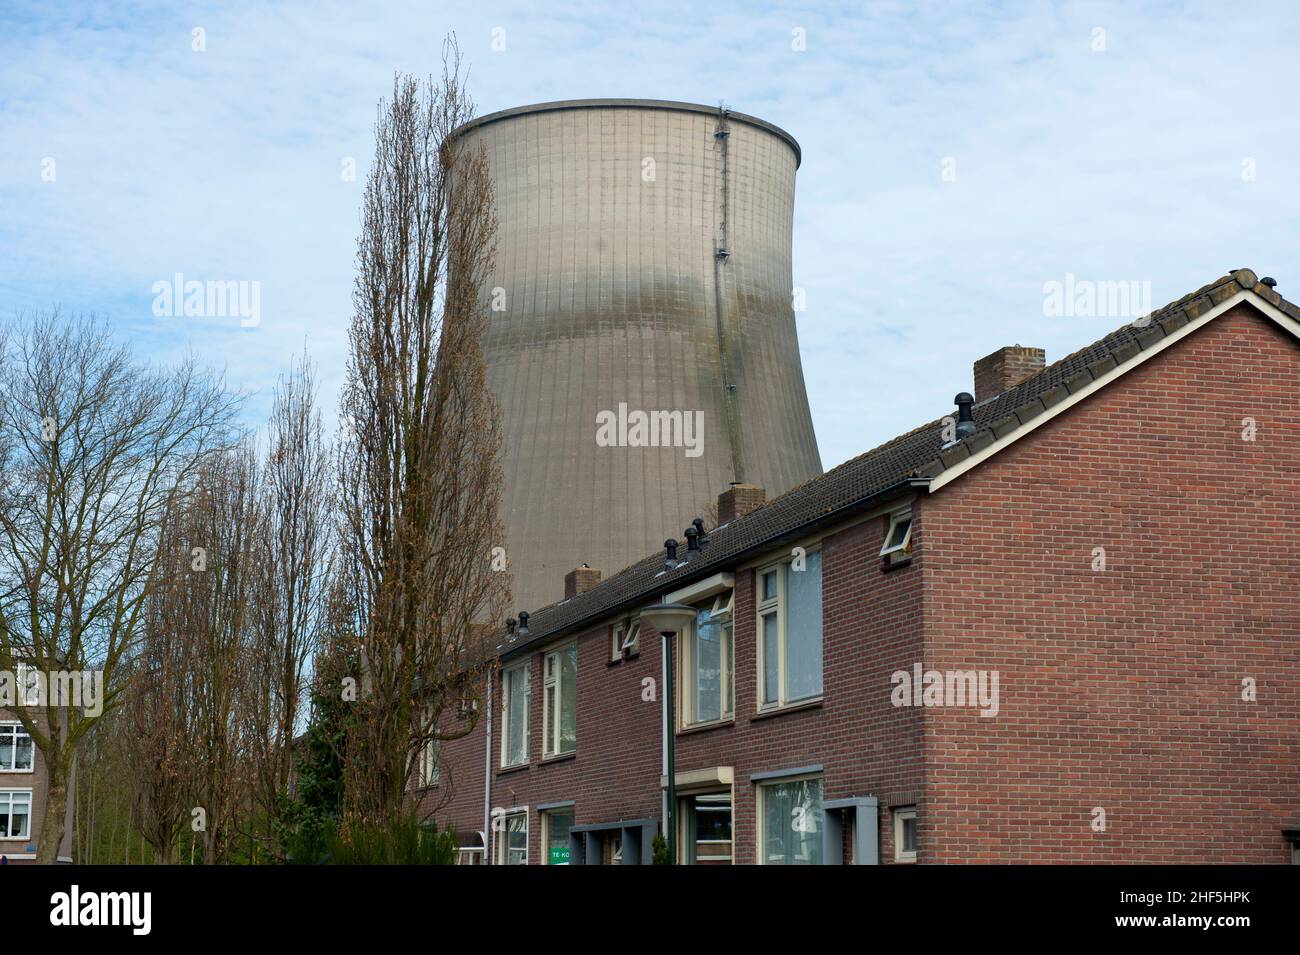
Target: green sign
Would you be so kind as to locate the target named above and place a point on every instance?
(559, 856)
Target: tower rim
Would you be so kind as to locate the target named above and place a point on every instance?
(650, 104)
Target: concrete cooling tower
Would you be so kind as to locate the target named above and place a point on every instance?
(642, 339)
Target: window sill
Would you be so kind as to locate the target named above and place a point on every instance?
(558, 758)
(628, 657)
(886, 565)
(812, 704)
(504, 770)
(705, 727)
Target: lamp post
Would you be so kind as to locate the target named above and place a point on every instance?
(670, 619)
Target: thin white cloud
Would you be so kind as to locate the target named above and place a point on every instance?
(1111, 165)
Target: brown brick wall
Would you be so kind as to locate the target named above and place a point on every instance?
(1122, 689)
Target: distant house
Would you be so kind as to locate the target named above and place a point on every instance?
(1059, 625)
(22, 794)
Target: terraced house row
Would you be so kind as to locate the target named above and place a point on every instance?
(1058, 625)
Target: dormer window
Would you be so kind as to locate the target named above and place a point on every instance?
(898, 538)
(625, 640)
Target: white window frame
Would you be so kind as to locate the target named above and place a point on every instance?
(553, 687)
(625, 640)
(503, 836)
(901, 815)
(11, 792)
(722, 608)
(15, 729)
(903, 546)
(779, 605)
(761, 810)
(430, 771)
(524, 671)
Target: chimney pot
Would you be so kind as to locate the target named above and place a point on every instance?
(965, 420)
(670, 549)
(1006, 368)
(738, 500)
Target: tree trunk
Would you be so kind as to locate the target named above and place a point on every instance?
(56, 806)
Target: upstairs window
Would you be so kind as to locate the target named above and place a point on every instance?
(515, 699)
(625, 640)
(560, 702)
(17, 755)
(430, 774)
(424, 771)
(898, 537)
(708, 663)
(790, 631)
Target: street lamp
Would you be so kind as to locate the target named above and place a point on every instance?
(670, 619)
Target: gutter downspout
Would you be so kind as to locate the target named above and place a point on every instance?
(487, 780)
(663, 720)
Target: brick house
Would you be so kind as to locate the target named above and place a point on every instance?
(1058, 626)
(22, 795)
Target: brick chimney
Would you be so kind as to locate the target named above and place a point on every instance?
(579, 581)
(1006, 368)
(738, 500)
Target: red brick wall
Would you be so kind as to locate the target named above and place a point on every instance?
(1119, 689)
(1122, 689)
(872, 626)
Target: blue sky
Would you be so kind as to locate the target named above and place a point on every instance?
(1122, 163)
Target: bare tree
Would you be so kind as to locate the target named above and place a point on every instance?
(226, 519)
(297, 556)
(158, 725)
(95, 450)
(420, 472)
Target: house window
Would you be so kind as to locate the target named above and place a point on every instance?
(556, 824)
(790, 631)
(790, 822)
(514, 715)
(424, 770)
(625, 640)
(430, 774)
(708, 663)
(560, 702)
(15, 813)
(898, 538)
(707, 827)
(905, 834)
(512, 840)
(16, 751)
